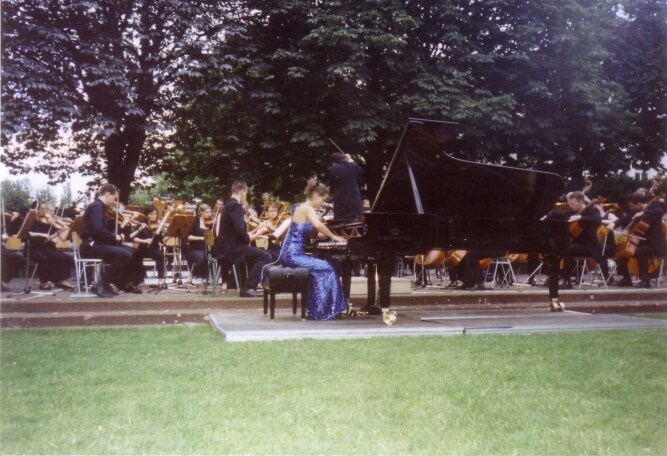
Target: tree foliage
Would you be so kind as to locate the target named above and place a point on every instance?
(95, 78)
(209, 92)
(531, 84)
(16, 195)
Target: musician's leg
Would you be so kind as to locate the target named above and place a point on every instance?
(258, 258)
(622, 269)
(119, 259)
(43, 267)
(643, 254)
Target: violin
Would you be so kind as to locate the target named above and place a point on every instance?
(208, 221)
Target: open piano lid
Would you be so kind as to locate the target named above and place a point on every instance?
(423, 178)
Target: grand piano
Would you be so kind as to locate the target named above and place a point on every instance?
(429, 199)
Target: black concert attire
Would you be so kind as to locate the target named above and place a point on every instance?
(197, 252)
(152, 251)
(345, 178)
(54, 266)
(99, 241)
(654, 243)
(586, 245)
(232, 244)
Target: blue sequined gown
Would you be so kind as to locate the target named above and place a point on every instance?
(325, 295)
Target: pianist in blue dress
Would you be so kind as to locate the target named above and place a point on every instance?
(325, 295)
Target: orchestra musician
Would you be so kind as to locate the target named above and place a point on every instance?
(269, 226)
(146, 244)
(345, 177)
(54, 266)
(197, 253)
(653, 242)
(98, 241)
(232, 240)
(263, 204)
(584, 221)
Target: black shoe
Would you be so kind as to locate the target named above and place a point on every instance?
(624, 283)
(249, 294)
(643, 284)
(103, 291)
(454, 284)
(132, 288)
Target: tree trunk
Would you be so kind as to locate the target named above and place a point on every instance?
(122, 151)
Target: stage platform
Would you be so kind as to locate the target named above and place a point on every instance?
(191, 306)
(249, 326)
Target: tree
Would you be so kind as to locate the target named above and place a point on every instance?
(527, 81)
(639, 62)
(45, 195)
(96, 78)
(16, 195)
(66, 195)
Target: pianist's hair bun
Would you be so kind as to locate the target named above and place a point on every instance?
(315, 186)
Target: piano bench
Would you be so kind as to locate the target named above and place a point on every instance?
(286, 280)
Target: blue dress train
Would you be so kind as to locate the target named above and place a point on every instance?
(325, 295)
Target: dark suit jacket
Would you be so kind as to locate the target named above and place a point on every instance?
(95, 225)
(653, 214)
(345, 178)
(232, 237)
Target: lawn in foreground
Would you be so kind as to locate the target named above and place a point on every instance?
(185, 390)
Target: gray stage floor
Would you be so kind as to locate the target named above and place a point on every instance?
(250, 325)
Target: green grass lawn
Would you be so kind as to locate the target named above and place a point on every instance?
(185, 390)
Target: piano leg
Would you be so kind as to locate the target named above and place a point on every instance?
(370, 306)
(385, 271)
(346, 276)
(553, 264)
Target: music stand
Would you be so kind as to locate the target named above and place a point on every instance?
(24, 233)
(179, 226)
(75, 228)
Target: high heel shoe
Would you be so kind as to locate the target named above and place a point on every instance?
(65, 285)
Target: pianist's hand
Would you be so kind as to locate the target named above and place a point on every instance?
(337, 239)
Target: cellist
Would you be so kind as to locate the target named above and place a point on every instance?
(584, 222)
(636, 203)
(653, 242)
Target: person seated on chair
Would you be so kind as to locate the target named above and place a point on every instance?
(636, 203)
(53, 265)
(584, 222)
(232, 240)
(99, 241)
(653, 243)
(196, 241)
(147, 245)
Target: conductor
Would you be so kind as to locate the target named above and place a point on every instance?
(344, 178)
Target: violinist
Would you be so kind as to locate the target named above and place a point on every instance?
(584, 221)
(54, 266)
(232, 240)
(197, 253)
(272, 223)
(99, 241)
(147, 246)
(653, 242)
